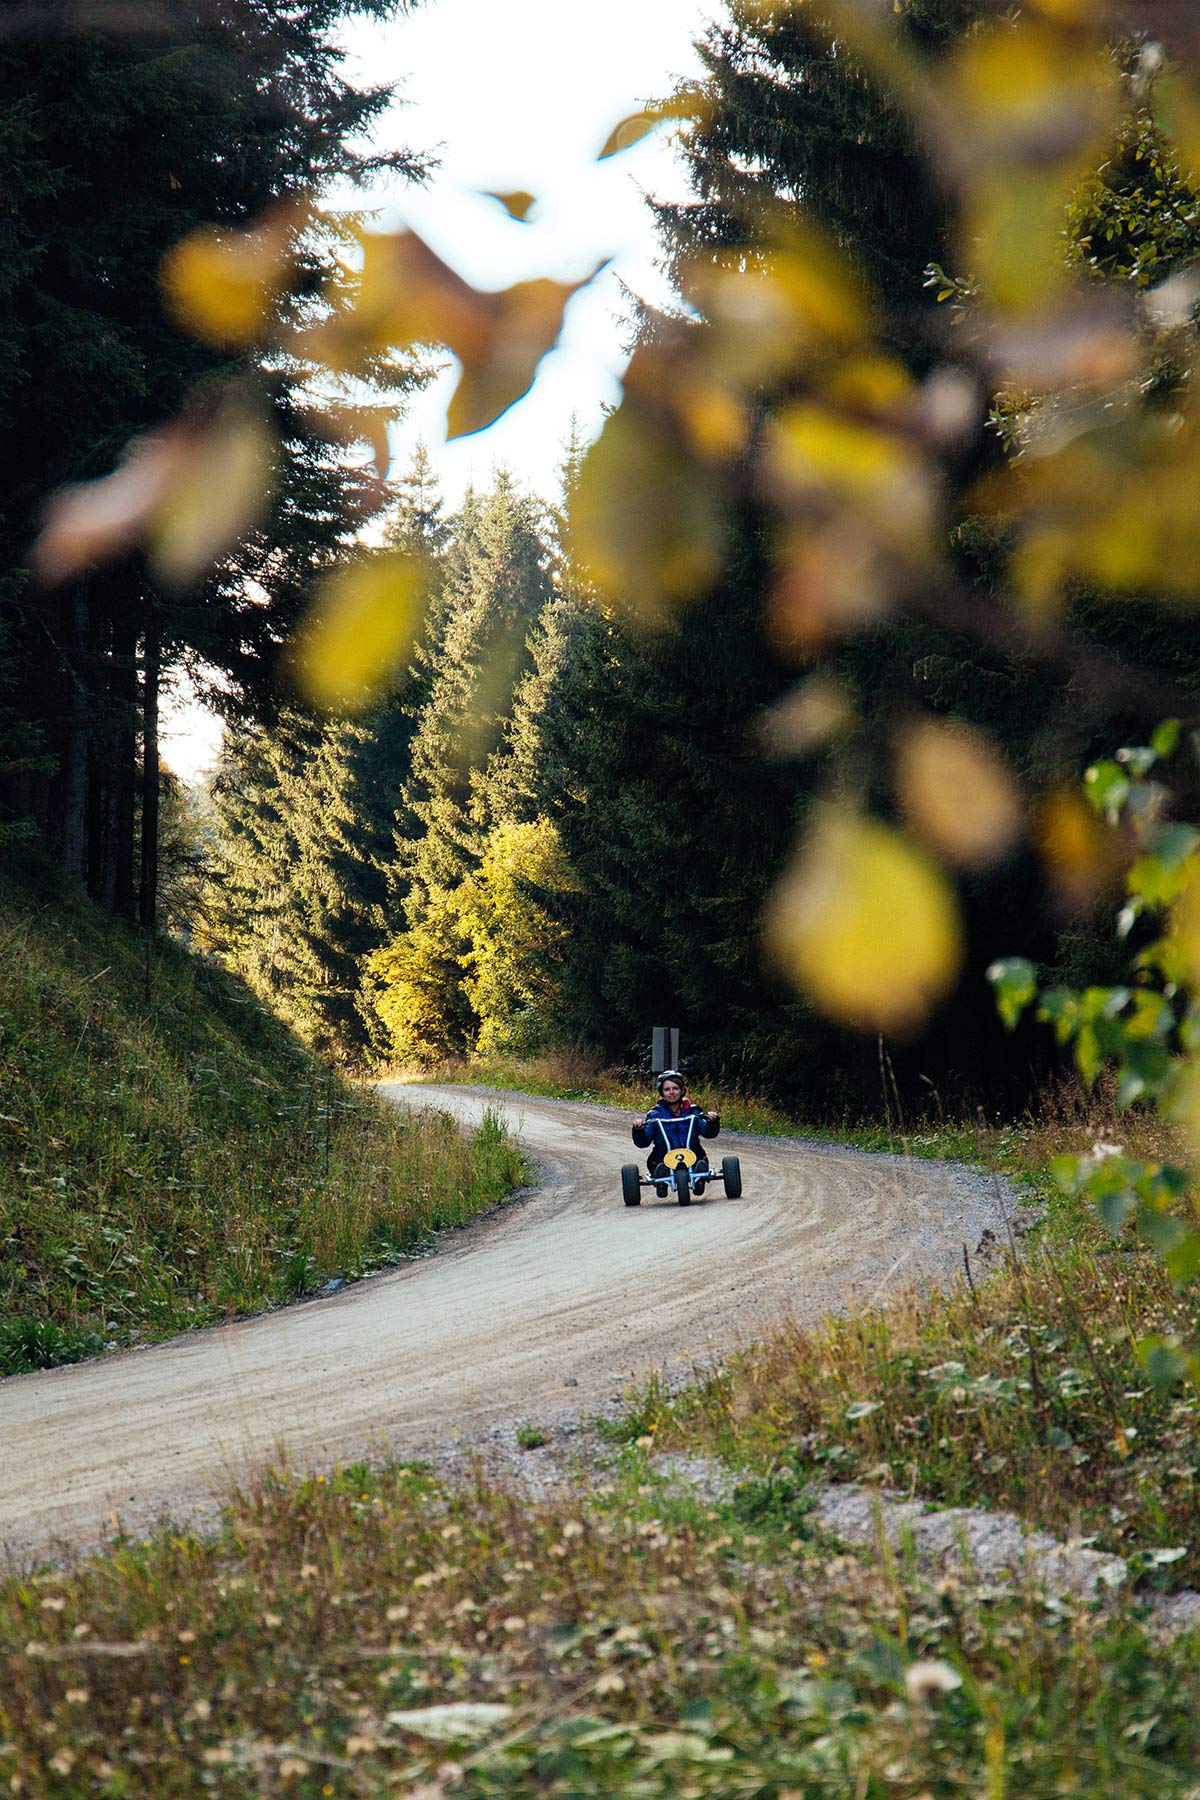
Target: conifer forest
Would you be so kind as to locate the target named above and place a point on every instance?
(568, 806)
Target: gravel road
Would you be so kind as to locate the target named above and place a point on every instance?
(548, 1306)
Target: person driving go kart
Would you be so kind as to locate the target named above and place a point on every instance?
(676, 1123)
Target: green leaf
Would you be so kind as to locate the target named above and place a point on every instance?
(1114, 1208)
(1183, 1261)
(1107, 788)
(1138, 757)
(1066, 1172)
(1165, 738)
(1015, 981)
(1164, 1362)
(1163, 1230)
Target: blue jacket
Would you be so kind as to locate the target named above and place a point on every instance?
(665, 1130)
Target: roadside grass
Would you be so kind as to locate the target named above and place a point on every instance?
(374, 1631)
(171, 1156)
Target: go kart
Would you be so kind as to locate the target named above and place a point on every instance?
(680, 1172)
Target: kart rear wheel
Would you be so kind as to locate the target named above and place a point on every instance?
(731, 1169)
(631, 1184)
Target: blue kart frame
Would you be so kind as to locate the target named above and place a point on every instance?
(683, 1168)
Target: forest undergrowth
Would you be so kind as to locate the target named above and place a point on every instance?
(170, 1156)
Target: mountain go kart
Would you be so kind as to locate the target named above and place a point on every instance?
(683, 1171)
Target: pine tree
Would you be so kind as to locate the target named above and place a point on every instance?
(112, 147)
(495, 585)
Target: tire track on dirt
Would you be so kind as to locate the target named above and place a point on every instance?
(568, 1287)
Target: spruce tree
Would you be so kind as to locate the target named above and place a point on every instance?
(112, 147)
(494, 586)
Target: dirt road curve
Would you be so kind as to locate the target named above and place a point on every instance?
(567, 1284)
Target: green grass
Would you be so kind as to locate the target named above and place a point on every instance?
(624, 1641)
(171, 1156)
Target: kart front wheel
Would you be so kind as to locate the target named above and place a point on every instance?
(631, 1184)
(731, 1169)
(683, 1185)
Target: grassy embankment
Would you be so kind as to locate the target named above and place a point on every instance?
(170, 1156)
(1020, 1390)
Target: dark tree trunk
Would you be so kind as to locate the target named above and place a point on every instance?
(124, 793)
(148, 886)
(79, 730)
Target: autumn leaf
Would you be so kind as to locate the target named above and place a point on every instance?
(956, 791)
(360, 630)
(189, 492)
(407, 295)
(646, 525)
(690, 102)
(866, 925)
(517, 203)
(217, 494)
(223, 286)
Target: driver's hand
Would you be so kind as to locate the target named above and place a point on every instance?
(640, 1123)
(712, 1117)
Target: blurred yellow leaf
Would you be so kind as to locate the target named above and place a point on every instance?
(93, 522)
(866, 925)
(768, 308)
(501, 362)
(216, 495)
(646, 519)
(407, 295)
(812, 452)
(1177, 111)
(188, 492)
(956, 791)
(1082, 856)
(223, 286)
(1032, 91)
(1184, 934)
(688, 103)
(360, 630)
(1029, 107)
(1015, 234)
(517, 203)
(808, 717)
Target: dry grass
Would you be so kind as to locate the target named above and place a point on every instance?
(628, 1643)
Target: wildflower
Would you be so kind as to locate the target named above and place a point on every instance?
(77, 1696)
(1102, 1150)
(612, 1683)
(929, 1677)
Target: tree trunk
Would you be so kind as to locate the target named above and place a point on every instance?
(148, 886)
(79, 726)
(120, 887)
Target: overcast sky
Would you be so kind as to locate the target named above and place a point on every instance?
(521, 94)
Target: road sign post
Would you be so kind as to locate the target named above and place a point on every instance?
(664, 1048)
